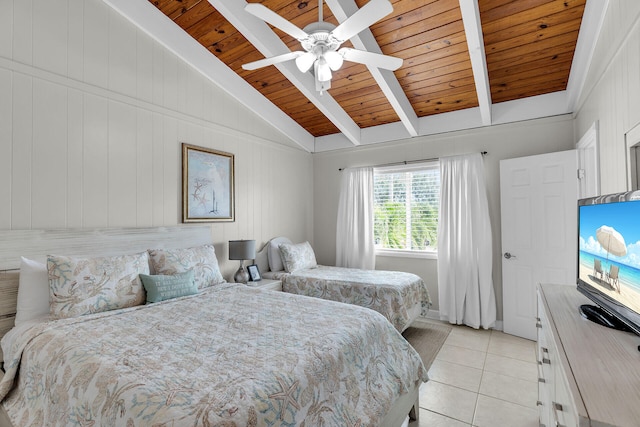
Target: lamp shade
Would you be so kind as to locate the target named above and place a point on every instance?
(242, 249)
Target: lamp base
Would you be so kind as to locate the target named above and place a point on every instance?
(241, 276)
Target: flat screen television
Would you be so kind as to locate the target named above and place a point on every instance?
(609, 259)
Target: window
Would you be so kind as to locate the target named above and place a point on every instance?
(405, 206)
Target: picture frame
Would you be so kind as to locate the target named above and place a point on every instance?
(254, 273)
(208, 188)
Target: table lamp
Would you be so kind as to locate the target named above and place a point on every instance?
(242, 250)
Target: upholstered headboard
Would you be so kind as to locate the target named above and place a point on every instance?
(37, 244)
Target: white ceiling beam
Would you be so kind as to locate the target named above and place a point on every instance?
(260, 35)
(475, 42)
(342, 9)
(162, 29)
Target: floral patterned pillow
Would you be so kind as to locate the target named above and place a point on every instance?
(297, 257)
(201, 259)
(79, 286)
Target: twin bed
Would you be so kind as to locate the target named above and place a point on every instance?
(226, 355)
(400, 297)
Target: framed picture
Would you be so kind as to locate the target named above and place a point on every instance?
(254, 272)
(207, 185)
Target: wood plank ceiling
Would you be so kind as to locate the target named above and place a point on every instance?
(529, 47)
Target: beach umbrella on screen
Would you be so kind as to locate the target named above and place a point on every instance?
(611, 241)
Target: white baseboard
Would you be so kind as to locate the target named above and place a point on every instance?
(435, 315)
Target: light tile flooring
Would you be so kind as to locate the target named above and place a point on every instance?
(481, 378)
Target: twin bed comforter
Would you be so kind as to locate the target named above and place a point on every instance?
(230, 355)
(391, 293)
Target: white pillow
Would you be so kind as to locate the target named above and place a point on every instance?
(33, 291)
(297, 257)
(262, 259)
(275, 261)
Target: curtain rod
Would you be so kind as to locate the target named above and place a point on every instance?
(408, 162)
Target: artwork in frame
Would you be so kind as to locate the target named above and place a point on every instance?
(207, 185)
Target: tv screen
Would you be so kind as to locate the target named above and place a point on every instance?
(609, 258)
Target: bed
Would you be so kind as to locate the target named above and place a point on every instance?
(400, 297)
(226, 355)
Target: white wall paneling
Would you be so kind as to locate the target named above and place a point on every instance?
(22, 35)
(75, 39)
(75, 152)
(48, 163)
(6, 29)
(6, 157)
(21, 148)
(92, 116)
(612, 91)
(95, 172)
(49, 32)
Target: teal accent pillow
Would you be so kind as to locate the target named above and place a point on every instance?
(163, 287)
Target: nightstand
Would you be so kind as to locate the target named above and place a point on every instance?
(272, 285)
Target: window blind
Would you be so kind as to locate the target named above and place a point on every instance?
(406, 201)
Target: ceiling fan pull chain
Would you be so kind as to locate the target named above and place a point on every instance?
(319, 10)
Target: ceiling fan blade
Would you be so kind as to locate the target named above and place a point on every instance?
(267, 15)
(363, 18)
(271, 61)
(372, 59)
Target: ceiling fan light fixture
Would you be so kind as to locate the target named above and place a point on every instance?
(323, 71)
(321, 42)
(334, 59)
(305, 61)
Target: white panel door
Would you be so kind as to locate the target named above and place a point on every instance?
(538, 208)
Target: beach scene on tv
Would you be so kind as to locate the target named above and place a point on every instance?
(610, 250)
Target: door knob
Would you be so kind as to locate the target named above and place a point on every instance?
(507, 255)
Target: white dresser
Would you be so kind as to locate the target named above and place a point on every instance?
(589, 375)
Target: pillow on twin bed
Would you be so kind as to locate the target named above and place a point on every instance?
(297, 257)
(201, 259)
(33, 291)
(163, 287)
(262, 259)
(79, 286)
(275, 260)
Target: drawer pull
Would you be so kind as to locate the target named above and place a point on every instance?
(547, 361)
(541, 380)
(545, 349)
(538, 325)
(557, 407)
(538, 403)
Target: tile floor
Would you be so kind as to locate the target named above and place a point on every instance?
(481, 378)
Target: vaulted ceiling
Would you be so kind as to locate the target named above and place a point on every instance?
(466, 63)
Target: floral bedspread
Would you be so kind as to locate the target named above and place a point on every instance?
(229, 356)
(390, 293)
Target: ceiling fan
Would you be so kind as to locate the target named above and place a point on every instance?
(321, 42)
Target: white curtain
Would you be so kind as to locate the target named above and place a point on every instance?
(465, 283)
(355, 246)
